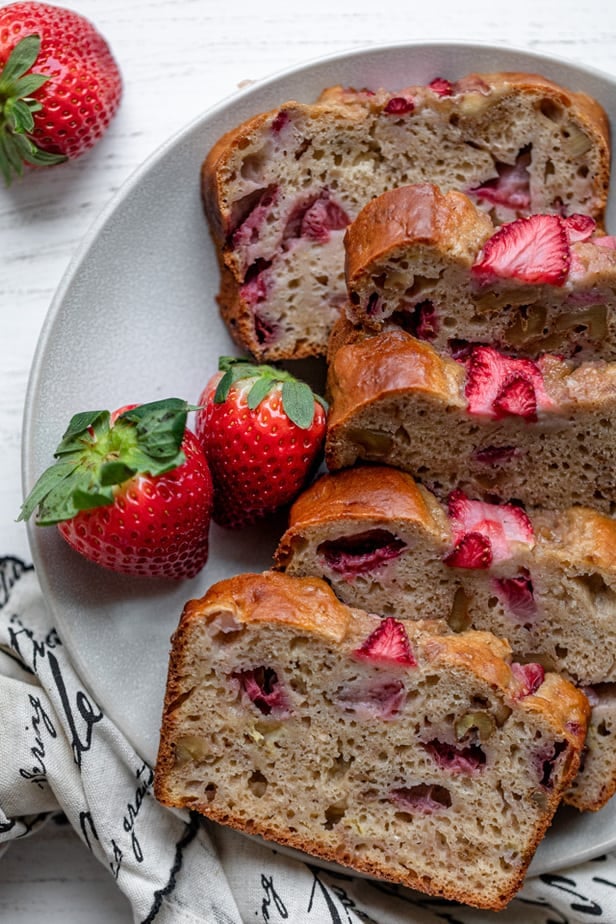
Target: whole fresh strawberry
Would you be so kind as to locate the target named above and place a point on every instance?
(59, 86)
(130, 491)
(263, 432)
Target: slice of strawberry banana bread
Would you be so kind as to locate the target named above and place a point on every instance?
(545, 582)
(433, 263)
(280, 189)
(499, 427)
(427, 759)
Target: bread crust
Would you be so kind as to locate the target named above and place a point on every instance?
(414, 215)
(390, 362)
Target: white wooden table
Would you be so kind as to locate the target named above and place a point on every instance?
(179, 57)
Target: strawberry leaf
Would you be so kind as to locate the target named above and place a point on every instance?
(94, 456)
(298, 403)
(83, 428)
(115, 473)
(20, 60)
(10, 162)
(298, 400)
(28, 85)
(160, 426)
(259, 391)
(18, 115)
(47, 482)
(16, 108)
(33, 155)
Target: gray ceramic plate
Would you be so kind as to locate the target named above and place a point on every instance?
(142, 288)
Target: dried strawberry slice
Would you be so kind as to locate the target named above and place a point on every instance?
(511, 187)
(498, 385)
(483, 533)
(425, 798)
(517, 396)
(496, 455)
(441, 86)
(368, 699)
(533, 250)
(472, 551)
(314, 218)
(421, 320)
(279, 121)
(249, 230)
(529, 676)
(389, 643)
(323, 216)
(255, 288)
(547, 761)
(399, 105)
(579, 227)
(266, 330)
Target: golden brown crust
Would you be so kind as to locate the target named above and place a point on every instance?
(558, 700)
(584, 536)
(310, 605)
(367, 369)
(472, 102)
(414, 215)
(387, 363)
(375, 492)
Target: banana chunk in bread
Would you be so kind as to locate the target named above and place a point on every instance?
(280, 189)
(499, 427)
(435, 264)
(427, 759)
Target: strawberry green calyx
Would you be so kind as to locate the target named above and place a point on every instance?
(96, 455)
(298, 399)
(17, 104)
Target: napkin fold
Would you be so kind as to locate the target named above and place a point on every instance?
(60, 751)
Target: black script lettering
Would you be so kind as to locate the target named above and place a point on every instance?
(271, 898)
(38, 649)
(38, 773)
(116, 863)
(80, 743)
(86, 824)
(134, 808)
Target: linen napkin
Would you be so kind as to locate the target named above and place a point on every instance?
(60, 752)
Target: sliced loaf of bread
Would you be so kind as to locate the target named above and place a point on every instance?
(427, 759)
